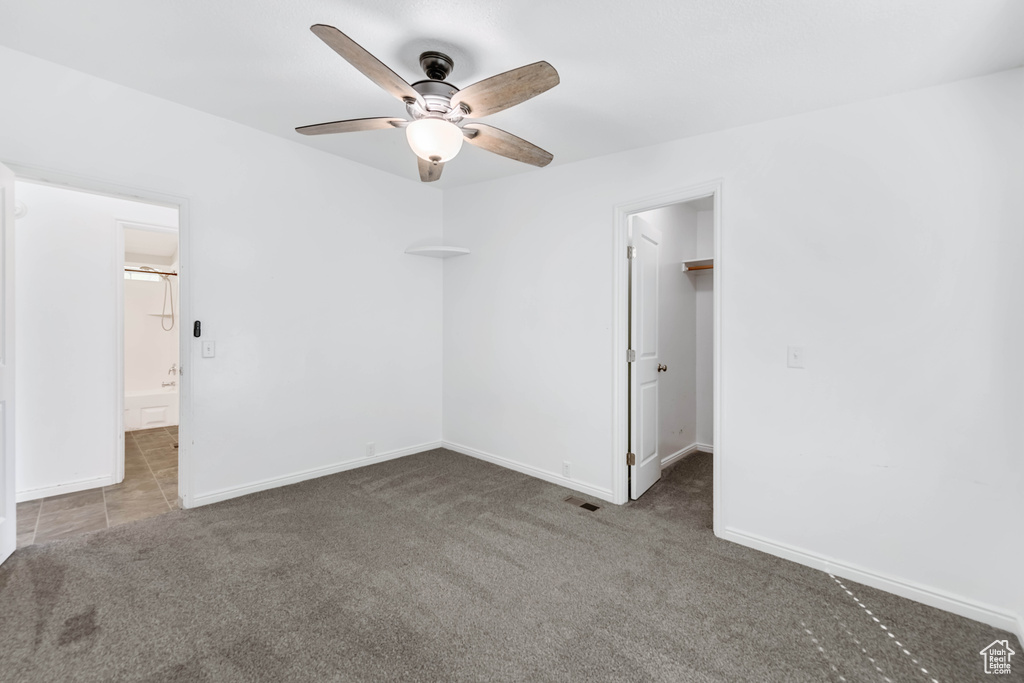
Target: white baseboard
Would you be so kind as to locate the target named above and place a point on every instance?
(679, 455)
(683, 452)
(596, 492)
(901, 587)
(59, 489)
(295, 478)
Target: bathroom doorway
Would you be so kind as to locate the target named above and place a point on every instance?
(99, 367)
(150, 323)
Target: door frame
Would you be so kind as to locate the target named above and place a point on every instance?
(620, 333)
(186, 350)
(8, 486)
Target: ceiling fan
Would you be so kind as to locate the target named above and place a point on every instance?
(441, 115)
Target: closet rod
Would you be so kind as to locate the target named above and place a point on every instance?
(151, 272)
(699, 267)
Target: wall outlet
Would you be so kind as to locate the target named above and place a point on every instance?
(795, 356)
(371, 449)
(566, 469)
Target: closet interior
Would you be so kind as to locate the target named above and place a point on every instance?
(685, 327)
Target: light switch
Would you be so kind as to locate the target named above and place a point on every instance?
(209, 349)
(795, 357)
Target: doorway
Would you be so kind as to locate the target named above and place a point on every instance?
(151, 365)
(97, 268)
(667, 346)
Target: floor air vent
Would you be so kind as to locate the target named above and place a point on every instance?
(580, 503)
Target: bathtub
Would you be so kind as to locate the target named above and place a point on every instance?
(148, 409)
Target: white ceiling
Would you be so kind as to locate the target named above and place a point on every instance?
(147, 246)
(632, 73)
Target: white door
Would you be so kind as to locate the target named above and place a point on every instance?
(643, 371)
(8, 525)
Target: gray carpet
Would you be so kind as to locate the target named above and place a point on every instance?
(439, 567)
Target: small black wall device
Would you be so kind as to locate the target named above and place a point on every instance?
(197, 329)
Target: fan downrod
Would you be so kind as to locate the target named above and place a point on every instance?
(436, 65)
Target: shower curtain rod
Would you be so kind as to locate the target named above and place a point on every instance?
(151, 272)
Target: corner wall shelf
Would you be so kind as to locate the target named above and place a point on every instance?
(437, 252)
(698, 264)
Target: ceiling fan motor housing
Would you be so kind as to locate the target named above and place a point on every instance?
(436, 65)
(437, 95)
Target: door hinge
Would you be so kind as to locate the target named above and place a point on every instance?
(631, 459)
(631, 252)
(630, 356)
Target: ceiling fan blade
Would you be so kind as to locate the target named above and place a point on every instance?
(350, 126)
(429, 172)
(507, 145)
(370, 66)
(496, 93)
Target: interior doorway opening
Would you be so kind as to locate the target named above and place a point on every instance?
(671, 323)
(98, 331)
(667, 337)
(150, 323)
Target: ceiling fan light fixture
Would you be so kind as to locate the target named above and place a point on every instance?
(438, 110)
(434, 139)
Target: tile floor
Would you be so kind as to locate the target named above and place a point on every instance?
(150, 488)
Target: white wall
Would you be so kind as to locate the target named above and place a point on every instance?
(883, 237)
(149, 349)
(66, 334)
(328, 335)
(704, 314)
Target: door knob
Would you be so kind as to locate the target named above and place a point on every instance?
(662, 368)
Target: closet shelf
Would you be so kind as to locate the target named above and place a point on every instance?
(437, 252)
(698, 264)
